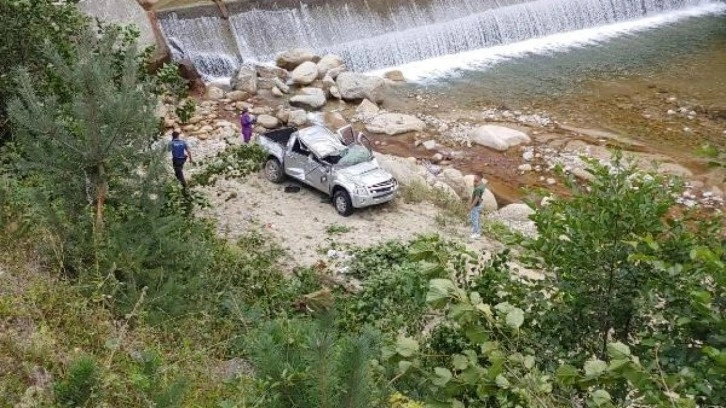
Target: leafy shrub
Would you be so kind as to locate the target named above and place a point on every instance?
(186, 110)
(79, 384)
(586, 240)
(234, 161)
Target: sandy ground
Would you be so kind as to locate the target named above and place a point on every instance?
(307, 225)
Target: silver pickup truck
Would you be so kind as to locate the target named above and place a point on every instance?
(339, 164)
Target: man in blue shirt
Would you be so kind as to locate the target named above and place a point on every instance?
(179, 153)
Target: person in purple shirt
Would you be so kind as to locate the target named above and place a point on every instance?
(246, 121)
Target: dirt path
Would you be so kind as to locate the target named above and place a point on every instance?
(307, 225)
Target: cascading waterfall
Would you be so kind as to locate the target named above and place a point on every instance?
(369, 39)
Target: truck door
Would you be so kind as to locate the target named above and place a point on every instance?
(296, 160)
(318, 174)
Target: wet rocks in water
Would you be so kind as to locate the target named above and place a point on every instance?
(429, 144)
(290, 60)
(327, 63)
(394, 75)
(499, 138)
(394, 124)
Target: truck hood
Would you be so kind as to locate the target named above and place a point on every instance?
(366, 173)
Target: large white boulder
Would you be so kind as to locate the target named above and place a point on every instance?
(394, 124)
(268, 121)
(327, 63)
(406, 171)
(355, 86)
(516, 212)
(292, 58)
(454, 179)
(446, 189)
(297, 118)
(305, 73)
(309, 98)
(245, 79)
(498, 137)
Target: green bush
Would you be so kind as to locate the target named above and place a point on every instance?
(309, 364)
(79, 385)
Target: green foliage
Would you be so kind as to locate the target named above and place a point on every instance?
(586, 241)
(337, 229)
(234, 161)
(307, 363)
(27, 28)
(80, 383)
(186, 110)
(394, 288)
(96, 128)
(167, 81)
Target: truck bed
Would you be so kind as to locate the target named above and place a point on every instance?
(280, 136)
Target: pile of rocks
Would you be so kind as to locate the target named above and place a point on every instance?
(529, 119)
(416, 174)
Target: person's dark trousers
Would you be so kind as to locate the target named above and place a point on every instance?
(179, 170)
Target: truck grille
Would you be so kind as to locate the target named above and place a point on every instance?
(383, 189)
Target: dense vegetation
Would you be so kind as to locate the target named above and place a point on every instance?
(114, 293)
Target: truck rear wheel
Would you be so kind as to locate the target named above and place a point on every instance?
(273, 170)
(343, 204)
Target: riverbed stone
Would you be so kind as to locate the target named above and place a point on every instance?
(281, 85)
(354, 86)
(394, 75)
(334, 72)
(429, 144)
(213, 93)
(245, 79)
(499, 138)
(367, 110)
(407, 172)
(290, 59)
(394, 124)
(297, 118)
(237, 96)
(268, 121)
(328, 62)
(311, 98)
(271, 72)
(455, 179)
(305, 73)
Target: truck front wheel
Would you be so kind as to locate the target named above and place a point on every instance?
(273, 170)
(343, 204)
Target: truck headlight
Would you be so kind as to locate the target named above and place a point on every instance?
(361, 190)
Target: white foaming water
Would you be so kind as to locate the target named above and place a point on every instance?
(433, 69)
(409, 31)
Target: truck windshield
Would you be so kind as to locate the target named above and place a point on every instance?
(353, 155)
